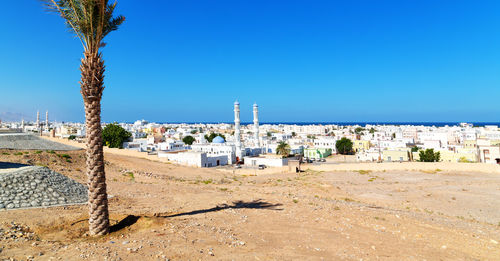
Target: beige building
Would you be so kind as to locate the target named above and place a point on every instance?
(396, 155)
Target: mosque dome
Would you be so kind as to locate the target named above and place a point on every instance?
(218, 139)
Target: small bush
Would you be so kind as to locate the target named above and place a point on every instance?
(5, 153)
(51, 152)
(18, 153)
(130, 175)
(206, 182)
(38, 151)
(66, 156)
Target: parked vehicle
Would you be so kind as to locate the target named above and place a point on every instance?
(262, 166)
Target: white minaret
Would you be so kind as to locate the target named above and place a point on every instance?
(38, 119)
(22, 124)
(256, 124)
(237, 134)
(47, 120)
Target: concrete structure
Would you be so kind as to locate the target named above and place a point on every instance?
(256, 124)
(269, 160)
(488, 153)
(47, 120)
(237, 129)
(360, 145)
(370, 155)
(317, 153)
(396, 155)
(218, 148)
(38, 119)
(172, 145)
(195, 159)
(137, 145)
(327, 142)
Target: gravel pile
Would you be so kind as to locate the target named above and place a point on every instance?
(36, 186)
(23, 141)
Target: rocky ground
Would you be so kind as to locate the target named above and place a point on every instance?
(37, 186)
(161, 211)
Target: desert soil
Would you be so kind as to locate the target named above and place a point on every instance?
(162, 211)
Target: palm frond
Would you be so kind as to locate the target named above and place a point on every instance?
(89, 20)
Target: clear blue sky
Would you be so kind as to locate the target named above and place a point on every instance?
(302, 61)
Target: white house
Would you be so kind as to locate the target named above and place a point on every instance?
(195, 159)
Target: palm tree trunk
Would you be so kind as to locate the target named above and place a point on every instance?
(92, 85)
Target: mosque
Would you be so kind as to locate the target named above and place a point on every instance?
(219, 151)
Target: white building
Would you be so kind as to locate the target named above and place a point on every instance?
(195, 159)
(218, 147)
(268, 160)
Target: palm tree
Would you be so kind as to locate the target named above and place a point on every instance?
(283, 149)
(91, 21)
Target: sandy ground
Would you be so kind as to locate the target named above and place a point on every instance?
(163, 211)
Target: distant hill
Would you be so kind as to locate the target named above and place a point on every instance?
(14, 116)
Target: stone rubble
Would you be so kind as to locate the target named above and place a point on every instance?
(37, 186)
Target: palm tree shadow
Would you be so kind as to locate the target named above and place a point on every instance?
(256, 204)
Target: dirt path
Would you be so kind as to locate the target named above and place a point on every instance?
(163, 211)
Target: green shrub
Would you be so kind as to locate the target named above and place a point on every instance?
(66, 156)
(429, 156)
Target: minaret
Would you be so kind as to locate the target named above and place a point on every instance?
(237, 134)
(47, 120)
(22, 124)
(256, 124)
(38, 119)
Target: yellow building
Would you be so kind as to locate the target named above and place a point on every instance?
(396, 155)
(360, 145)
(450, 156)
(470, 144)
(495, 142)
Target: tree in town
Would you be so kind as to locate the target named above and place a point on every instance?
(283, 149)
(91, 21)
(344, 146)
(359, 130)
(114, 135)
(372, 130)
(188, 140)
(212, 135)
(429, 155)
